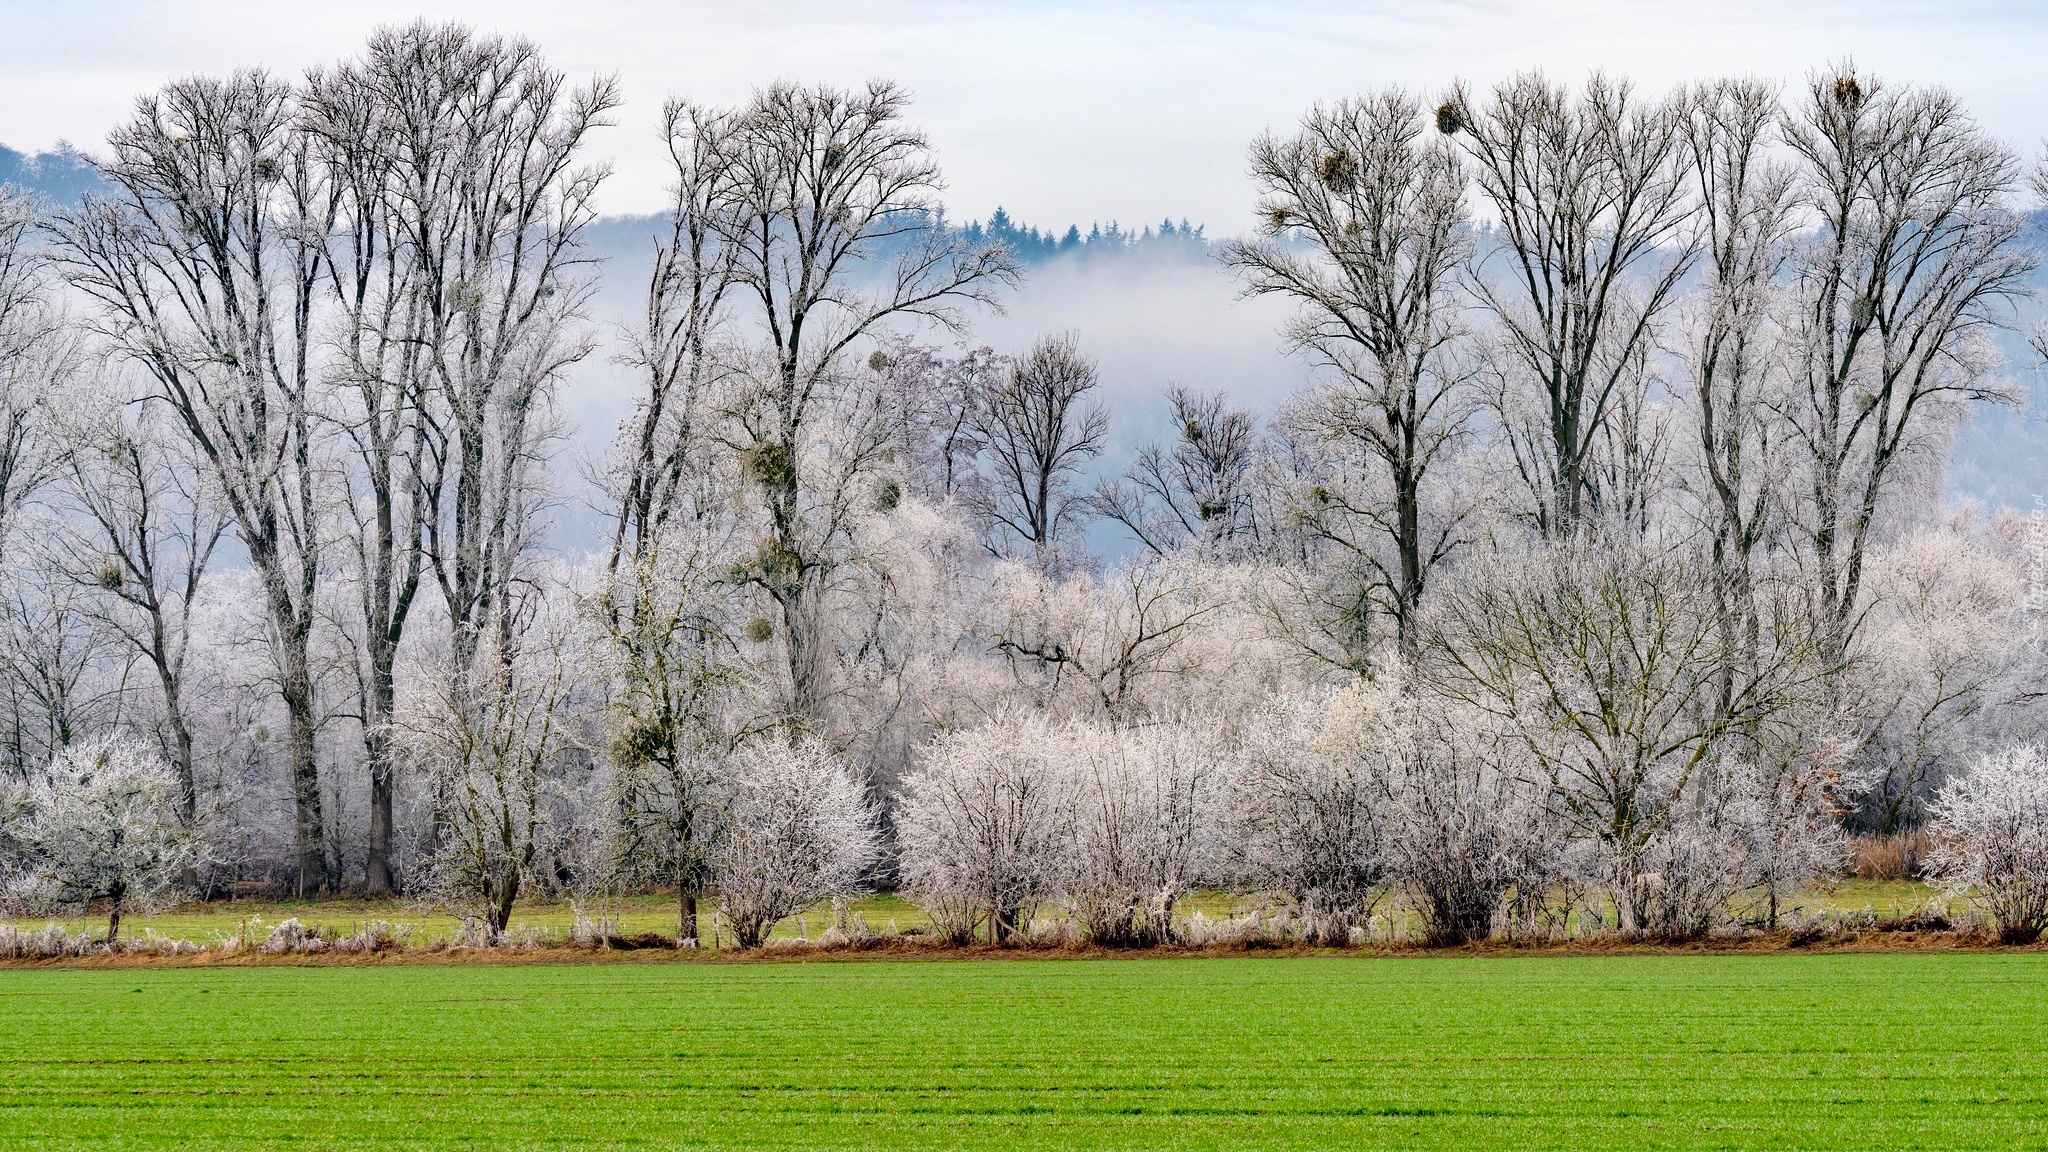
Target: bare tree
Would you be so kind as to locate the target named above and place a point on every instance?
(34, 355)
(1201, 489)
(674, 421)
(150, 528)
(1038, 430)
(483, 140)
(496, 749)
(1591, 246)
(206, 263)
(827, 205)
(376, 402)
(1108, 643)
(1382, 211)
(1733, 354)
(1605, 660)
(1916, 253)
(929, 403)
(60, 672)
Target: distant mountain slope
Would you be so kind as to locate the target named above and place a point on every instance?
(61, 175)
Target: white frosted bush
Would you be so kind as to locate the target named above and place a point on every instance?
(798, 828)
(1308, 807)
(102, 824)
(1991, 840)
(1147, 808)
(982, 824)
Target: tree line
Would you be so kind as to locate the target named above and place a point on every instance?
(1604, 576)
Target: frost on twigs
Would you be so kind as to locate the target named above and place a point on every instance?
(798, 828)
(100, 823)
(1991, 836)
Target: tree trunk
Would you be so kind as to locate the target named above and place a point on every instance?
(119, 894)
(686, 918)
(501, 916)
(378, 876)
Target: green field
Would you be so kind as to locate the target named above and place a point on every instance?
(1917, 1050)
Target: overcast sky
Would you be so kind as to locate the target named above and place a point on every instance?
(1060, 112)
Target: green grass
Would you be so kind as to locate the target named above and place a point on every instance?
(1816, 1051)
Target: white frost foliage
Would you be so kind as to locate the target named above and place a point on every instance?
(102, 824)
(798, 828)
(1147, 806)
(1466, 826)
(1309, 801)
(1691, 870)
(1789, 822)
(982, 822)
(1991, 836)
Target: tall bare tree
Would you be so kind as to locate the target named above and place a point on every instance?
(1733, 353)
(206, 264)
(828, 206)
(375, 402)
(483, 140)
(673, 423)
(1914, 259)
(1038, 429)
(1383, 212)
(34, 354)
(1590, 248)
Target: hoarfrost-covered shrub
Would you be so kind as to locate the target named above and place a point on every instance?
(1147, 803)
(49, 942)
(1685, 879)
(982, 822)
(1308, 805)
(102, 824)
(1991, 834)
(798, 828)
(291, 937)
(1465, 830)
(1789, 821)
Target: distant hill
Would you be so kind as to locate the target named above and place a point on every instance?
(62, 174)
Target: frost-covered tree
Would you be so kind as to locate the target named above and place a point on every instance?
(204, 264)
(825, 202)
(796, 828)
(150, 527)
(1147, 802)
(982, 823)
(1365, 229)
(1991, 828)
(1038, 429)
(103, 823)
(1310, 794)
(1606, 660)
(497, 752)
(35, 355)
(1592, 245)
(1916, 258)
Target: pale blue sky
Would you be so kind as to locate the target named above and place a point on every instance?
(1059, 111)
